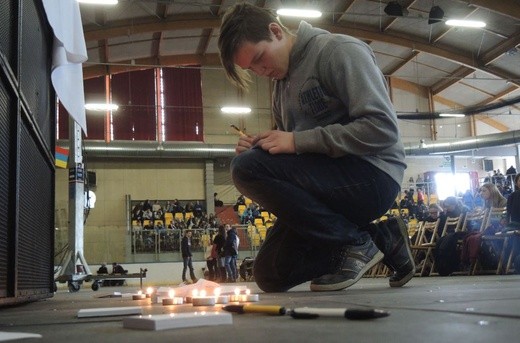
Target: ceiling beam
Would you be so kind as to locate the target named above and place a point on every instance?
(504, 7)
(342, 8)
(200, 21)
(99, 69)
(401, 64)
(128, 27)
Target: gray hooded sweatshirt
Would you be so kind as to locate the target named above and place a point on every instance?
(335, 100)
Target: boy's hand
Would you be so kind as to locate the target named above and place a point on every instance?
(275, 142)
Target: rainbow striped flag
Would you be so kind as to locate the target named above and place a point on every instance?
(62, 155)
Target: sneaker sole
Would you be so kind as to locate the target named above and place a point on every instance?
(404, 280)
(378, 257)
(401, 282)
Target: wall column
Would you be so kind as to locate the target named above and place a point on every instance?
(209, 175)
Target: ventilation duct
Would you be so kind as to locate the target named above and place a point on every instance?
(464, 144)
(145, 149)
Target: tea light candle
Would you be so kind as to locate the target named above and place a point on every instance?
(172, 299)
(189, 299)
(149, 292)
(138, 296)
(203, 300)
(251, 297)
(235, 297)
(220, 299)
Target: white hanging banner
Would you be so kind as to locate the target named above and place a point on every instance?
(69, 52)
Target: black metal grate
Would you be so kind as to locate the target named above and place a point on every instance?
(8, 20)
(36, 63)
(27, 123)
(6, 108)
(35, 211)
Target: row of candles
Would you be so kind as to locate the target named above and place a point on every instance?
(199, 298)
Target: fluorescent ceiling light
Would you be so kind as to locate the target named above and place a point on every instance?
(455, 115)
(465, 23)
(99, 2)
(235, 110)
(293, 12)
(101, 107)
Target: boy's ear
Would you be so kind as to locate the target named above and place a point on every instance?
(276, 30)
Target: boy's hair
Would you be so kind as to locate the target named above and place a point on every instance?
(243, 22)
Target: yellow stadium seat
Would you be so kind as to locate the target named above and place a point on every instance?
(179, 216)
(188, 215)
(255, 240)
(168, 218)
(241, 209)
(259, 221)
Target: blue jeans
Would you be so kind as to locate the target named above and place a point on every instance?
(321, 203)
(187, 263)
(231, 267)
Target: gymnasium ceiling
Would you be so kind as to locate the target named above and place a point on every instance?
(457, 67)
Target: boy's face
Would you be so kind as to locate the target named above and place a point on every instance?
(266, 58)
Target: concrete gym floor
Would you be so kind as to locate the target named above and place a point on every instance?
(428, 309)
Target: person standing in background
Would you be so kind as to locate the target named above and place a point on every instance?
(187, 256)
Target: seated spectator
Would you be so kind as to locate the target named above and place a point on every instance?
(453, 208)
(137, 211)
(492, 196)
(434, 212)
(158, 215)
(189, 207)
(103, 269)
(148, 214)
(218, 203)
(177, 207)
(156, 206)
(241, 200)
(169, 207)
(197, 209)
(118, 269)
(147, 205)
(249, 214)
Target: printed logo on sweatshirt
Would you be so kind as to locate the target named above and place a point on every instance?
(312, 97)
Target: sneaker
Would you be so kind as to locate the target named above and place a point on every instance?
(391, 237)
(356, 261)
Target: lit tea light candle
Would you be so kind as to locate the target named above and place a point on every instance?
(149, 292)
(220, 299)
(189, 299)
(235, 297)
(139, 296)
(251, 297)
(203, 300)
(172, 299)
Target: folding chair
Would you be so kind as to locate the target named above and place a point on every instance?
(493, 240)
(451, 225)
(427, 236)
